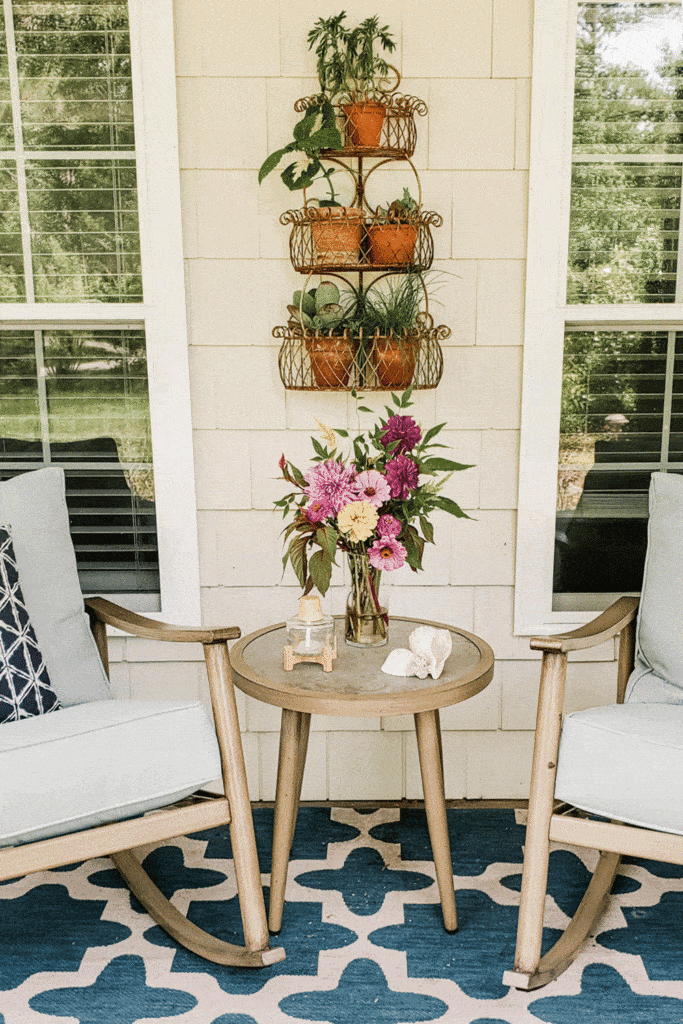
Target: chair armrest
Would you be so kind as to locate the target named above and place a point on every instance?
(606, 625)
(129, 622)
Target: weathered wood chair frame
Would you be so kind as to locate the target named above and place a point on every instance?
(200, 811)
(548, 821)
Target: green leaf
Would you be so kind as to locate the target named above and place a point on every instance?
(364, 408)
(270, 163)
(432, 432)
(297, 556)
(450, 506)
(396, 400)
(341, 433)
(405, 398)
(427, 529)
(318, 448)
(320, 568)
(437, 465)
(326, 537)
(295, 180)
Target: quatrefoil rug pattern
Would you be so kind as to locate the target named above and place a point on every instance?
(25, 688)
(362, 930)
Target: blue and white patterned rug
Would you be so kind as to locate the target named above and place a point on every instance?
(362, 930)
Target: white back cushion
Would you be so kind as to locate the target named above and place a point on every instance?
(658, 673)
(33, 506)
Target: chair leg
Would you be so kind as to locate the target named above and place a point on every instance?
(290, 772)
(569, 944)
(247, 871)
(178, 926)
(537, 845)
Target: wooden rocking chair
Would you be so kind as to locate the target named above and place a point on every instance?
(622, 763)
(103, 775)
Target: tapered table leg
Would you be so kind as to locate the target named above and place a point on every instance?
(290, 772)
(431, 766)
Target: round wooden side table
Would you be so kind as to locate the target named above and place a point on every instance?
(358, 687)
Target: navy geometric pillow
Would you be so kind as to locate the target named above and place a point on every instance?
(25, 688)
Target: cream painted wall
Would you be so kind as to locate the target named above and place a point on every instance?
(240, 66)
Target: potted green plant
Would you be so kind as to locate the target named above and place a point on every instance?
(351, 73)
(393, 232)
(389, 317)
(336, 230)
(319, 314)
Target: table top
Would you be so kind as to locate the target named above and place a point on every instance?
(357, 686)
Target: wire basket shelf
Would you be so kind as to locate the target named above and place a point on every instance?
(382, 127)
(340, 238)
(318, 361)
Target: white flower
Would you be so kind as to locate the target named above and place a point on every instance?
(357, 520)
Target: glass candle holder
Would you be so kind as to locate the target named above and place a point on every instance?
(310, 635)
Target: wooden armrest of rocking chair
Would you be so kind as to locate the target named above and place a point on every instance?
(130, 622)
(606, 625)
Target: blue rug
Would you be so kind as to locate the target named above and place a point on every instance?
(362, 930)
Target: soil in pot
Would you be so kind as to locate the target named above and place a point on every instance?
(364, 123)
(331, 360)
(337, 233)
(392, 243)
(394, 361)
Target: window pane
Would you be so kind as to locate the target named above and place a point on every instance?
(19, 409)
(12, 284)
(623, 236)
(84, 231)
(88, 410)
(622, 418)
(628, 117)
(73, 61)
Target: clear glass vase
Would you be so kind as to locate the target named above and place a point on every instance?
(366, 620)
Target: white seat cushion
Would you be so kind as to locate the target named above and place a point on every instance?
(99, 762)
(658, 673)
(624, 761)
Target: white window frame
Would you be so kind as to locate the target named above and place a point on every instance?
(162, 315)
(547, 316)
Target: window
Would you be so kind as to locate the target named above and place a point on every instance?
(93, 349)
(603, 401)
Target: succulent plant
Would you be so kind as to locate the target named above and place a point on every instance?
(319, 308)
(401, 211)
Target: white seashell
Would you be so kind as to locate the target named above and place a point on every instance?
(433, 645)
(402, 662)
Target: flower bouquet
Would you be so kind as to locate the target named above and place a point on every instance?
(372, 503)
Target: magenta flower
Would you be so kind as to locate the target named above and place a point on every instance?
(372, 486)
(318, 510)
(388, 526)
(403, 429)
(387, 553)
(402, 475)
(331, 482)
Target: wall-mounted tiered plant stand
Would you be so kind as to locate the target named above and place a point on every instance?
(336, 242)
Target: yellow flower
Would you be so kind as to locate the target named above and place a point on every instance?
(358, 520)
(327, 433)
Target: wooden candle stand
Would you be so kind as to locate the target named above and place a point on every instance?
(328, 655)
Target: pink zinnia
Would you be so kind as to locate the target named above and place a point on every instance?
(403, 429)
(372, 486)
(388, 526)
(331, 482)
(402, 474)
(387, 553)
(318, 510)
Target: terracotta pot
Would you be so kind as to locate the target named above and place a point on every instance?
(364, 123)
(331, 360)
(337, 233)
(394, 362)
(392, 243)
